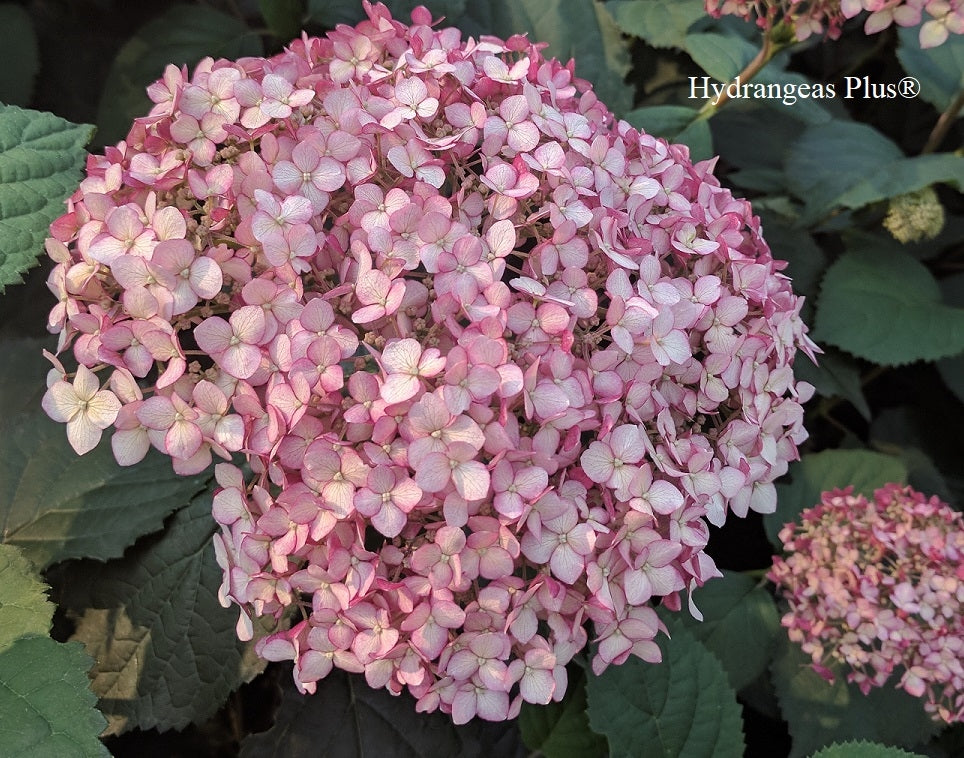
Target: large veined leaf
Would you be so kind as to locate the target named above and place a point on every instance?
(561, 730)
(952, 369)
(40, 160)
(661, 23)
(849, 165)
(183, 34)
(20, 59)
(816, 473)
(819, 713)
(46, 706)
(578, 29)
(166, 651)
(55, 504)
(862, 749)
(24, 608)
(740, 625)
(836, 375)
(887, 307)
(940, 70)
(681, 706)
(345, 718)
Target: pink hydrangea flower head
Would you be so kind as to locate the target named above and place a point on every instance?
(494, 357)
(877, 586)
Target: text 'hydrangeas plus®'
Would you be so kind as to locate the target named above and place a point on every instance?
(493, 357)
(878, 586)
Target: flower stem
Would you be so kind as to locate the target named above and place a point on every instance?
(943, 124)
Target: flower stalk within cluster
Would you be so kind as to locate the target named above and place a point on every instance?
(809, 17)
(878, 586)
(493, 357)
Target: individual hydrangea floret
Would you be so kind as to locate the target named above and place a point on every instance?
(494, 358)
(809, 17)
(878, 586)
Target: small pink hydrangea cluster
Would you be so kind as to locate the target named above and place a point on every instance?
(878, 585)
(493, 357)
(808, 17)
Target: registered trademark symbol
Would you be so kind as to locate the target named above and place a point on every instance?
(908, 87)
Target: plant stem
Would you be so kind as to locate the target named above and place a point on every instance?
(943, 124)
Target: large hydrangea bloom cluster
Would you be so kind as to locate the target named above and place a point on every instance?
(808, 17)
(493, 357)
(878, 585)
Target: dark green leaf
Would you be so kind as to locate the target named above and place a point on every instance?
(166, 651)
(740, 625)
(819, 713)
(661, 23)
(55, 504)
(820, 472)
(40, 160)
(836, 375)
(862, 749)
(182, 35)
(46, 706)
(806, 260)
(849, 165)
(578, 29)
(940, 70)
(346, 718)
(952, 369)
(283, 17)
(722, 56)
(330, 13)
(886, 307)
(681, 706)
(561, 730)
(24, 608)
(20, 59)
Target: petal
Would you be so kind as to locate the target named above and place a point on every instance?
(82, 434)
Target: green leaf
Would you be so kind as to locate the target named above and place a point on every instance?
(862, 749)
(675, 123)
(40, 160)
(46, 706)
(346, 718)
(579, 29)
(182, 35)
(661, 23)
(807, 261)
(819, 713)
(561, 730)
(20, 57)
(849, 165)
(817, 473)
(722, 56)
(283, 17)
(681, 706)
(740, 625)
(886, 307)
(940, 70)
(55, 504)
(24, 608)
(836, 375)
(952, 369)
(166, 652)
